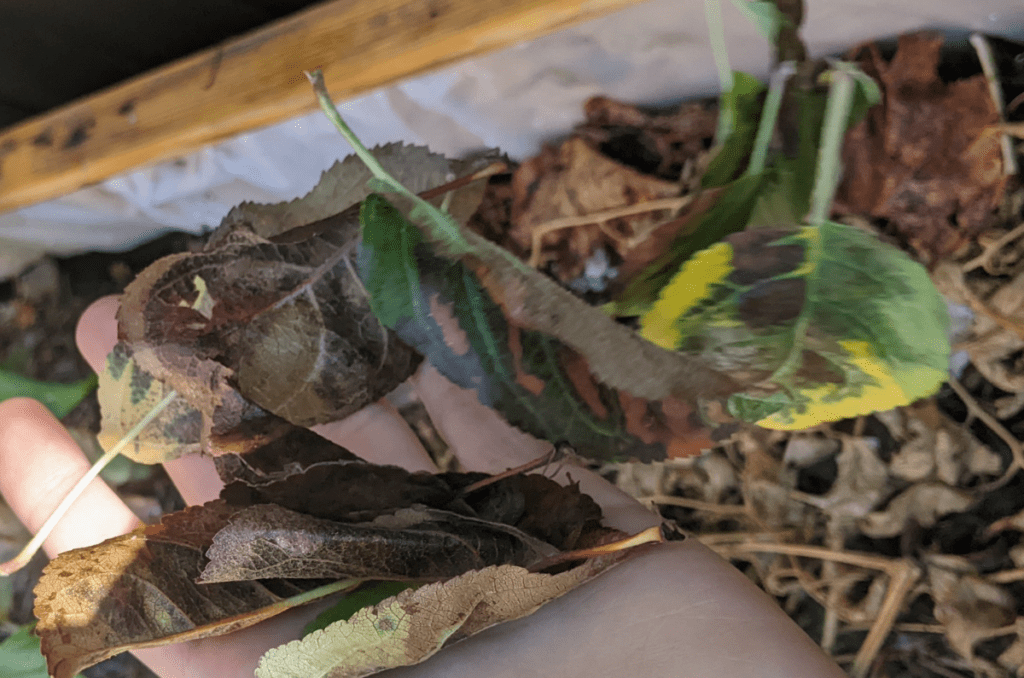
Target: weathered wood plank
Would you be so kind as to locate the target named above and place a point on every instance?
(257, 80)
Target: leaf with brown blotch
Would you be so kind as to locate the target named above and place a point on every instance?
(126, 394)
(138, 590)
(271, 318)
(542, 358)
(413, 544)
(927, 158)
(412, 626)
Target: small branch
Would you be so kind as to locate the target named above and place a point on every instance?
(988, 67)
(1016, 448)
(984, 259)
(542, 229)
(33, 546)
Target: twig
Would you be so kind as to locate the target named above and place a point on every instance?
(696, 504)
(33, 546)
(988, 67)
(902, 576)
(599, 218)
(985, 258)
(1016, 449)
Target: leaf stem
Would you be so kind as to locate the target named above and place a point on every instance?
(772, 106)
(837, 114)
(33, 546)
(442, 224)
(716, 35)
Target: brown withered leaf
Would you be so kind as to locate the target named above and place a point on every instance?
(343, 185)
(577, 180)
(270, 318)
(655, 142)
(139, 590)
(927, 158)
(413, 544)
(353, 491)
(283, 325)
(415, 624)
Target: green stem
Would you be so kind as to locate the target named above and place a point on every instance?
(442, 224)
(716, 35)
(769, 116)
(837, 114)
(33, 546)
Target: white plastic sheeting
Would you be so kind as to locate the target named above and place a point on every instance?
(513, 99)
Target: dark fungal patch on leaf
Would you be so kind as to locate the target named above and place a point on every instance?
(117, 360)
(139, 386)
(772, 302)
(757, 257)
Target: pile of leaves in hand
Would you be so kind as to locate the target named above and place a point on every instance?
(301, 512)
(304, 312)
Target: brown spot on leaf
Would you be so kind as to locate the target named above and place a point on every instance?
(530, 382)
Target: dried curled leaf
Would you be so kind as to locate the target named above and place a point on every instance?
(413, 544)
(833, 321)
(139, 590)
(414, 625)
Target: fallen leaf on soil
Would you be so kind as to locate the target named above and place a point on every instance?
(969, 608)
(928, 158)
(920, 505)
(139, 590)
(414, 625)
(577, 180)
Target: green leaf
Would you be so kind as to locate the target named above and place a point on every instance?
(744, 103)
(20, 656)
(530, 378)
(765, 16)
(839, 323)
(355, 601)
(58, 398)
(389, 268)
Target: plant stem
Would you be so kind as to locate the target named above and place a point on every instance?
(716, 35)
(23, 558)
(770, 114)
(442, 224)
(837, 114)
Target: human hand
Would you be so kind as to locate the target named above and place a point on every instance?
(676, 610)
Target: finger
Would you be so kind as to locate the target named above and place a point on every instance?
(96, 332)
(39, 464)
(379, 434)
(483, 441)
